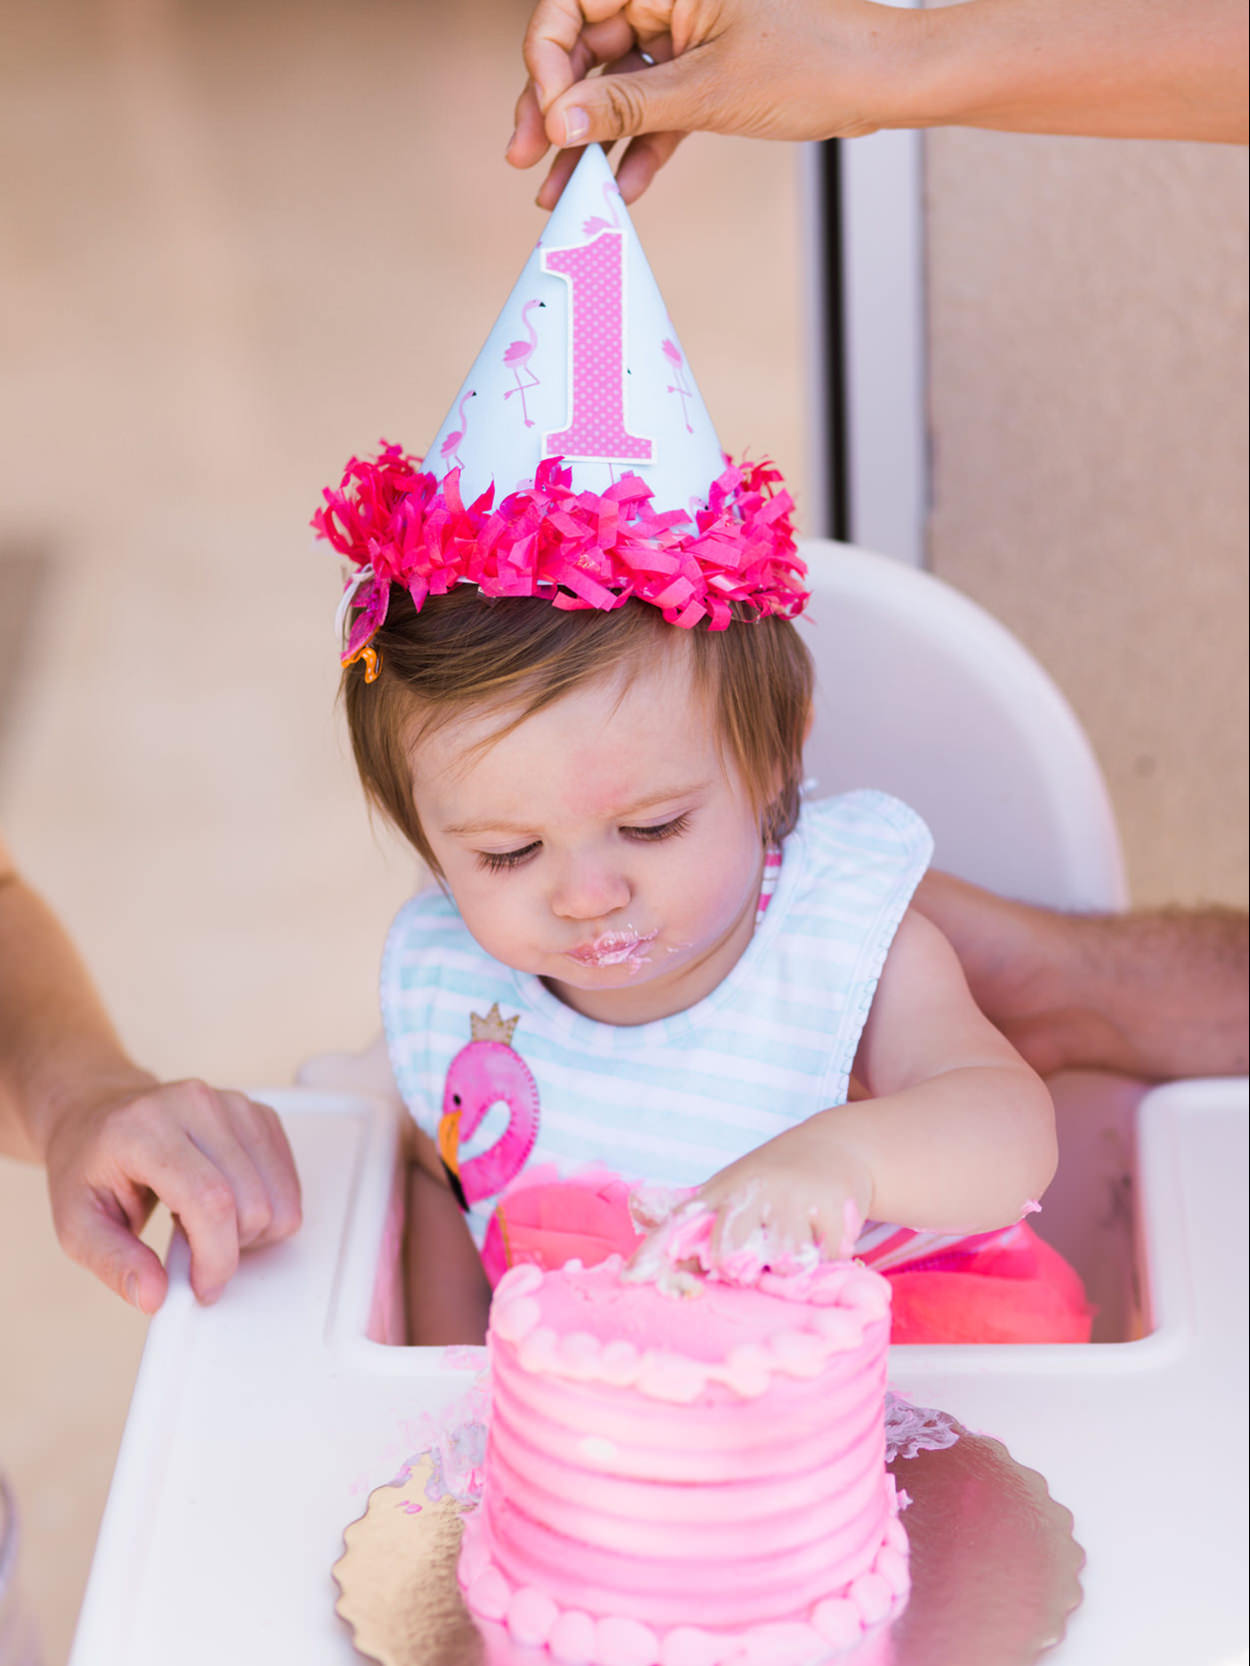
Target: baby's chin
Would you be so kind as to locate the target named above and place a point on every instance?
(652, 965)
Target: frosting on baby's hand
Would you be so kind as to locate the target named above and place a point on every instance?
(735, 1242)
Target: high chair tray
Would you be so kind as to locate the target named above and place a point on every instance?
(259, 1427)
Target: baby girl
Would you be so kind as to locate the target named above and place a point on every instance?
(647, 961)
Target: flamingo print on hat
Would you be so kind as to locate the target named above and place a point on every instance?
(672, 352)
(449, 451)
(611, 195)
(517, 356)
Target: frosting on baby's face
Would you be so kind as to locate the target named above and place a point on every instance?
(604, 844)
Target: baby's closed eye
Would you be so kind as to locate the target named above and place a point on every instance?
(497, 861)
(662, 830)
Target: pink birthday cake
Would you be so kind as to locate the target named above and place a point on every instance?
(689, 1478)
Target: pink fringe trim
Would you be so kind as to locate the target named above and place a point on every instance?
(579, 549)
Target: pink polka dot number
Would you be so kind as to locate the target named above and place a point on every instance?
(595, 275)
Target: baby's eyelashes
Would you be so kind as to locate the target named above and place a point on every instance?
(663, 830)
(498, 860)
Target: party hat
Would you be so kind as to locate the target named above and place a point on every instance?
(584, 364)
(577, 462)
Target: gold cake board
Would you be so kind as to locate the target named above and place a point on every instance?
(995, 1568)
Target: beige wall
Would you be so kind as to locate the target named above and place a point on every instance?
(1087, 311)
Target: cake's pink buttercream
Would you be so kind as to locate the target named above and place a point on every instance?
(621, 1433)
(684, 1574)
(490, 1594)
(788, 1643)
(687, 1480)
(891, 1564)
(622, 1642)
(572, 1640)
(688, 1646)
(838, 1622)
(872, 1596)
(626, 1499)
(531, 1616)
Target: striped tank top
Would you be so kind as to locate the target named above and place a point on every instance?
(536, 1087)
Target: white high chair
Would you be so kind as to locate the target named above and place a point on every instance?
(945, 709)
(258, 1426)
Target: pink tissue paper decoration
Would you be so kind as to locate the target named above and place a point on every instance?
(398, 524)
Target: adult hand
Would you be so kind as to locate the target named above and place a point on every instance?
(822, 69)
(217, 1160)
(794, 69)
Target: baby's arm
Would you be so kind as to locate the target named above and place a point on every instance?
(448, 1296)
(957, 1136)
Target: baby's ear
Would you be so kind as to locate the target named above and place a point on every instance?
(807, 724)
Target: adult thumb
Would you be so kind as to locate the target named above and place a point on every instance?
(663, 98)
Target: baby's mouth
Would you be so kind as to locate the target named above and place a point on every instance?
(615, 948)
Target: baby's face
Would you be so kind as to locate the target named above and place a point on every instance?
(604, 844)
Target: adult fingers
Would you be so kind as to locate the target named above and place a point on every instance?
(93, 1233)
(643, 157)
(260, 1133)
(558, 27)
(597, 44)
(202, 1200)
(246, 1143)
(189, 1183)
(670, 97)
(232, 1142)
(642, 161)
(191, 1163)
(551, 189)
(529, 137)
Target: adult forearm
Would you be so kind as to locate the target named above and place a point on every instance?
(1145, 69)
(1157, 993)
(55, 1035)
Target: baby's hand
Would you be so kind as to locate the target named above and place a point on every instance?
(220, 1163)
(787, 1207)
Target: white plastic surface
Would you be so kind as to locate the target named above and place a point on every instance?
(923, 693)
(259, 1426)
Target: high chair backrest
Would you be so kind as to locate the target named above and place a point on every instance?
(923, 694)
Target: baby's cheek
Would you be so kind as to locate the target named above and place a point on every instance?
(517, 925)
(488, 916)
(711, 899)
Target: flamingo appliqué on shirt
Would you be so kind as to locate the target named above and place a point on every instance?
(540, 1215)
(486, 1072)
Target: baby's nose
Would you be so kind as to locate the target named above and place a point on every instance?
(587, 891)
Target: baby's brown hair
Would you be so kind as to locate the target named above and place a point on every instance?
(464, 650)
